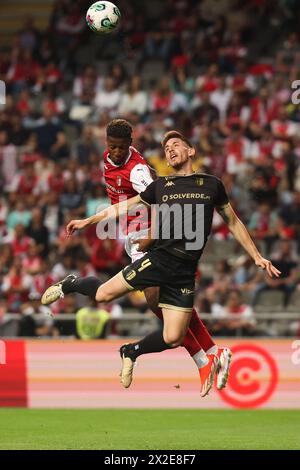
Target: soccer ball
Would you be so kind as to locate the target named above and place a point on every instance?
(103, 17)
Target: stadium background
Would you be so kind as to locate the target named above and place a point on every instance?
(219, 71)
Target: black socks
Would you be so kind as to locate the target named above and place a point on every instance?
(83, 285)
(150, 344)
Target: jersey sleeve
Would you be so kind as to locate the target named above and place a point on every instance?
(148, 196)
(221, 197)
(140, 177)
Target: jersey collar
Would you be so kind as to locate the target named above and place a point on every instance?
(126, 161)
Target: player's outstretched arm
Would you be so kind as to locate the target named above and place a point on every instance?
(111, 212)
(241, 234)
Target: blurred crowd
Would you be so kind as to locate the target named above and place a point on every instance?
(220, 71)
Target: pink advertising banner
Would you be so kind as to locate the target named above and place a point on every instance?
(75, 374)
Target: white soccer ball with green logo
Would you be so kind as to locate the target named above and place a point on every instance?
(103, 17)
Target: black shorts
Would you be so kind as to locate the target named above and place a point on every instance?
(175, 277)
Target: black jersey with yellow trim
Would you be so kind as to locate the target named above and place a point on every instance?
(184, 207)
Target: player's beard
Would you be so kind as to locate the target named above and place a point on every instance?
(178, 165)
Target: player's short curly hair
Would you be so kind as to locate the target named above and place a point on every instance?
(175, 135)
(119, 128)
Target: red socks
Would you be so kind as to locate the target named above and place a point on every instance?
(190, 343)
(200, 332)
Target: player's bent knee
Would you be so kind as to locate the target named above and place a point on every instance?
(173, 340)
(178, 343)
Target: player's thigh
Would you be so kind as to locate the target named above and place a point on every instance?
(143, 273)
(112, 289)
(176, 323)
(152, 297)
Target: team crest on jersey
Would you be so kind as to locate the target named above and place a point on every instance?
(119, 181)
(129, 276)
(199, 181)
(169, 183)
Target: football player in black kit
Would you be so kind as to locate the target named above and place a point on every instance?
(184, 205)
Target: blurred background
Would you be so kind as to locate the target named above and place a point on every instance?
(221, 72)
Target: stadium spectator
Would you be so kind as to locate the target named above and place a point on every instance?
(20, 215)
(108, 99)
(16, 285)
(88, 82)
(43, 278)
(286, 260)
(86, 146)
(107, 256)
(55, 180)
(32, 260)
(8, 159)
(206, 112)
(237, 150)
(71, 199)
(63, 267)
(221, 97)
(234, 318)
(29, 34)
(91, 322)
(166, 101)
(21, 242)
(264, 225)
(35, 320)
(19, 135)
(97, 200)
(289, 214)
(66, 327)
(134, 100)
(48, 132)
(26, 182)
(50, 207)
(6, 235)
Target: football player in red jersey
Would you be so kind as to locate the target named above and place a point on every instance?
(127, 174)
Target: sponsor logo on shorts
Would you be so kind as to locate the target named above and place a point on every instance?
(186, 291)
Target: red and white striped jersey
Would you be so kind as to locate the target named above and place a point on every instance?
(126, 181)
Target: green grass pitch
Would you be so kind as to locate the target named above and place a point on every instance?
(149, 429)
